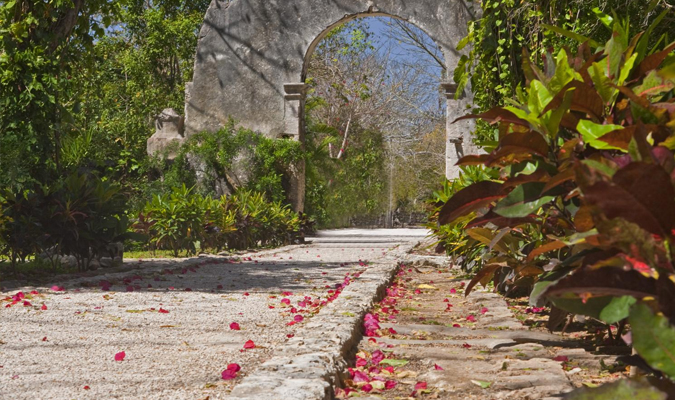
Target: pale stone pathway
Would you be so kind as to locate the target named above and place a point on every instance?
(172, 320)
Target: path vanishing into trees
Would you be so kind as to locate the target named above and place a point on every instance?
(293, 320)
(172, 319)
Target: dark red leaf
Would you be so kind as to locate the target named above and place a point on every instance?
(470, 199)
(496, 115)
(605, 281)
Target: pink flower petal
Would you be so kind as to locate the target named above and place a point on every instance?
(360, 377)
(438, 367)
(471, 318)
(389, 385)
(120, 356)
(367, 388)
(453, 291)
(163, 311)
(298, 318)
(377, 357)
(249, 345)
(235, 326)
(361, 362)
(229, 374)
(484, 310)
(420, 385)
(234, 367)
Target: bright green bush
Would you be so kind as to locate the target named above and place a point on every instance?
(184, 221)
(583, 212)
(214, 163)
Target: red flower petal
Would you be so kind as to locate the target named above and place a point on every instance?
(392, 331)
(367, 388)
(290, 335)
(389, 385)
(229, 374)
(361, 362)
(561, 359)
(453, 291)
(27, 303)
(163, 311)
(44, 339)
(235, 326)
(471, 318)
(298, 318)
(438, 367)
(377, 357)
(56, 288)
(287, 293)
(286, 301)
(420, 385)
(249, 345)
(466, 346)
(86, 387)
(120, 356)
(130, 288)
(234, 367)
(360, 377)
(484, 310)
(246, 294)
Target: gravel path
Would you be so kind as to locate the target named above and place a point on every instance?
(172, 321)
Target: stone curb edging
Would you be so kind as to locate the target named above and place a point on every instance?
(309, 365)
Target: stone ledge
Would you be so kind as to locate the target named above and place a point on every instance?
(308, 366)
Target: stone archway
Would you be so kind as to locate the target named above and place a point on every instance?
(251, 63)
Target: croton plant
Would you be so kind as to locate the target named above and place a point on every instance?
(584, 208)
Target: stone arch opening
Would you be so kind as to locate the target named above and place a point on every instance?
(252, 58)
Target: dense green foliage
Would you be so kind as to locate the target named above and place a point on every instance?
(79, 215)
(582, 210)
(228, 160)
(510, 31)
(186, 221)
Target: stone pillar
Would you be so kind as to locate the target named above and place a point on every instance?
(294, 109)
(458, 135)
(168, 135)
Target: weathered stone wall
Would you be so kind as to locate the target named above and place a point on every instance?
(252, 59)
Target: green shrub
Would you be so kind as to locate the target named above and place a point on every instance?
(230, 160)
(184, 219)
(79, 215)
(584, 209)
(177, 220)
